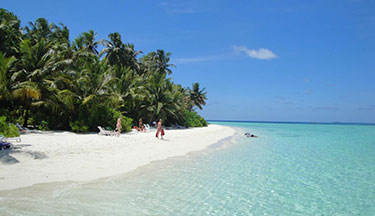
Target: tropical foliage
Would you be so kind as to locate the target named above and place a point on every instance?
(51, 81)
(7, 130)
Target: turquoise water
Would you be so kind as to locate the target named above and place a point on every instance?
(291, 169)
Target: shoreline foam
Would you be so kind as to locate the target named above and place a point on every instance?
(66, 156)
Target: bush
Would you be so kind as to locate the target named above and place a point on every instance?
(43, 125)
(126, 122)
(192, 119)
(78, 126)
(8, 130)
(204, 122)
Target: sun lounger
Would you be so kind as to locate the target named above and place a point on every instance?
(177, 126)
(15, 139)
(148, 127)
(4, 144)
(6, 139)
(22, 129)
(105, 132)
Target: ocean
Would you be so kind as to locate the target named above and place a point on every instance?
(289, 169)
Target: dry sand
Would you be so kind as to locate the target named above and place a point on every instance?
(65, 156)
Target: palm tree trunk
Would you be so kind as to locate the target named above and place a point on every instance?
(152, 117)
(26, 118)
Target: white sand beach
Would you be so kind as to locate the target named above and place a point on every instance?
(65, 156)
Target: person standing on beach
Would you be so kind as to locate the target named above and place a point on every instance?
(160, 130)
(118, 126)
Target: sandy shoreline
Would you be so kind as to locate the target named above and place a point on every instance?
(66, 156)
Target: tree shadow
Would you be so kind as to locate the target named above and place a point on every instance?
(6, 158)
(6, 155)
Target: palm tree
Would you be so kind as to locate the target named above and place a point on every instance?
(39, 30)
(10, 34)
(118, 53)
(163, 98)
(158, 62)
(31, 81)
(86, 41)
(5, 67)
(197, 97)
(128, 88)
(60, 34)
(162, 62)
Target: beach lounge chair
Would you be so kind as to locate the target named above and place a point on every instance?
(4, 144)
(22, 129)
(179, 126)
(6, 139)
(148, 127)
(105, 132)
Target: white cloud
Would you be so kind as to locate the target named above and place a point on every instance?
(262, 53)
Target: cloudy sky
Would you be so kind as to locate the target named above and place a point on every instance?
(290, 60)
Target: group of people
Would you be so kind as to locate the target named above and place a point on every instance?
(141, 127)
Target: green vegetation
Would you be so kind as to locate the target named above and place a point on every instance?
(8, 130)
(192, 119)
(51, 82)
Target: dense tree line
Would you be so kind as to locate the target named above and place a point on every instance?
(48, 80)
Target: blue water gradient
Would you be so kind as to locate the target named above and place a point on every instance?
(290, 169)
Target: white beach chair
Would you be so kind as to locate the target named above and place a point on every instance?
(105, 132)
(147, 126)
(7, 139)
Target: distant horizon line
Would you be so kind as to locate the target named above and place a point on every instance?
(295, 122)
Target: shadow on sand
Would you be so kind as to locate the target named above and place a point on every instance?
(7, 156)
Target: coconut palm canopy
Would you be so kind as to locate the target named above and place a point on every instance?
(48, 80)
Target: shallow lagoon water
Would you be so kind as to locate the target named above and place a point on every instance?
(290, 169)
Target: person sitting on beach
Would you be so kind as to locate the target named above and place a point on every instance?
(140, 127)
(118, 126)
(160, 129)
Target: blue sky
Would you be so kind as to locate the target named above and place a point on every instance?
(270, 60)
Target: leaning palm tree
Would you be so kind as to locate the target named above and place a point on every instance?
(197, 97)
